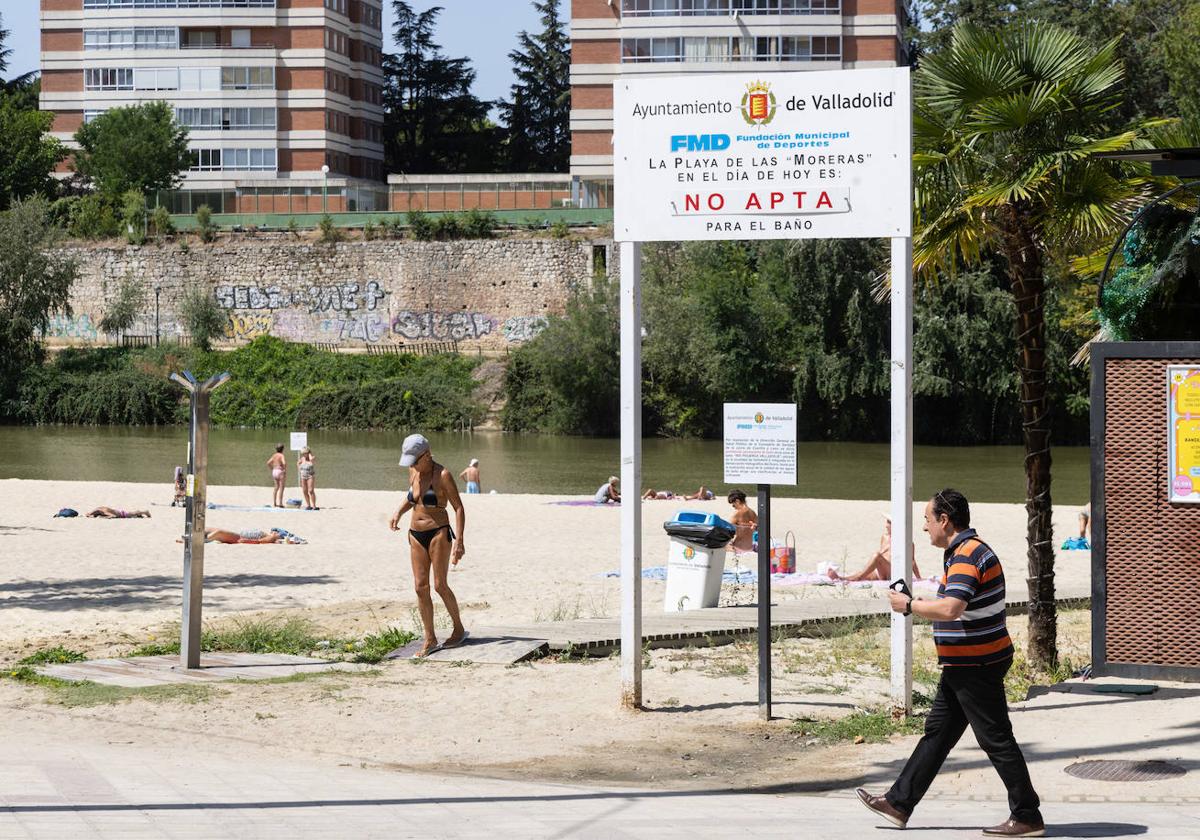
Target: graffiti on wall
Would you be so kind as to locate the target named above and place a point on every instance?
(524, 327)
(72, 326)
(442, 326)
(247, 327)
(369, 328)
(337, 297)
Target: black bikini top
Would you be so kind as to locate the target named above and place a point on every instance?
(428, 498)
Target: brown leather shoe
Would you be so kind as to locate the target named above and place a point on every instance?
(883, 808)
(1014, 828)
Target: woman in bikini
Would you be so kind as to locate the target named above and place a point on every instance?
(432, 542)
(104, 512)
(277, 464)
(307, 464)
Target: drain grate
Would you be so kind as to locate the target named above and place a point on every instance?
(1125, 771)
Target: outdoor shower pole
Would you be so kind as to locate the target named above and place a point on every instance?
(157, 292)
(195, 508)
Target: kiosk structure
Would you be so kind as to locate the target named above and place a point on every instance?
(795, 155)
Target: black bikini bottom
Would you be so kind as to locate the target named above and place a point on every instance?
(426, 537)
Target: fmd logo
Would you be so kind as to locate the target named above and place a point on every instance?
(758, 418)
(699, 142)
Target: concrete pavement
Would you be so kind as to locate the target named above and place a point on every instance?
(53, 786)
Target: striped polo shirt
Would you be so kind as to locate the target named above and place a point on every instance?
(973, 574)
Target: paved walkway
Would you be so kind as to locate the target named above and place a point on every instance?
(81, 790)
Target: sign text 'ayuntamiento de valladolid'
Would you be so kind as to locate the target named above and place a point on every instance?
(807, 154)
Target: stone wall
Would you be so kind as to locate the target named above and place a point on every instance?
(484, 294)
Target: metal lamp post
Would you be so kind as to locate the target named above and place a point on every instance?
(193, 532)
(325, 188)
(157, 292)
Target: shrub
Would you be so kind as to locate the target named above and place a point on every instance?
(560, 229)
(124, 308)
(161, 220)
(133, 217)
(293, 226)
(478, 224)
(91, 217)
(204, 319)
(204, 223)
(370, 232)
(330, 233)
(421, 225)
(446, 226)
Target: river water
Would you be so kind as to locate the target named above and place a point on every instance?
(514, 463)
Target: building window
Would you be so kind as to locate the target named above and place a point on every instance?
(337, 122)
(134, 38)
(691, 8)
(227, 119)
(178, 4)
(337, 42)
(233, 160)
(339, 6)
(736, 48)
(247, 78)
(108, 78)
(337, 82)
(92, 113)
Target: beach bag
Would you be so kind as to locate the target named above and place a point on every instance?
(66, 513)
(783, 556)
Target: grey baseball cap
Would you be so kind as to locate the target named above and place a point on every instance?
(414, 447)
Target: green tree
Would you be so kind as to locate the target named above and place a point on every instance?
(538, 116)
(139, 147)
(204, 319)
(432, 121)
(124, 309)
(1181, 59)
(1004, 124)
(133, 217)
(30, 153)
(35, 283)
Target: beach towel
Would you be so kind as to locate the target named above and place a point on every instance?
(249, 508)
(582, 503)
(1076, 544)
(288, 537)
(816, 579)
(660, 573)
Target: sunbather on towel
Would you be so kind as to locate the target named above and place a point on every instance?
(660, 495)
(103, 512)
(250, 535)
(880, 565)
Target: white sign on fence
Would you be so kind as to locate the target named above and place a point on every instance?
(760, 443)
(797, 155)
(299, 441)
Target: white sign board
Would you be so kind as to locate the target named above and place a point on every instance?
(743, 155)
(299, 441)
(760, 443)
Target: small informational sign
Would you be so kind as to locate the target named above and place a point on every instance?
(191, 485)
(299, 441)
(794, 155)
(1183, 433)
(760, 443)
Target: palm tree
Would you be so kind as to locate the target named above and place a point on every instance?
(1004, 126)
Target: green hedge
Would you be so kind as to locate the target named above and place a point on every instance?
(274, 384)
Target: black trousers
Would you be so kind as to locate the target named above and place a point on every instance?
(975, 696)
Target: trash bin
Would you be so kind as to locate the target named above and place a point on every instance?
(696, 560)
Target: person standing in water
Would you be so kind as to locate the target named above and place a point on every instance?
(432, 543)
(471, 476)
(277, 464)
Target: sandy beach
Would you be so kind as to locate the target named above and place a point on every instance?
(527, 558)
(103, 586)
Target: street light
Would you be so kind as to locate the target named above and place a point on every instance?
(157, 292)
(325, 188)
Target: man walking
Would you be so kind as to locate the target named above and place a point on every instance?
(975, 652)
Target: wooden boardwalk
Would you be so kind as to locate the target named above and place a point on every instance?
(702, 628)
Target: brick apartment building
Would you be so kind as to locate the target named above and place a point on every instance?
(613, 38)
(271, 91)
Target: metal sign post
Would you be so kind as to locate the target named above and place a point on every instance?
(740, 156)
(193, 532)
(764, 601)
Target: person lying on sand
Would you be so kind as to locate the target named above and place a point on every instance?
(703, 495)
(249, 535)
(103, 512)
(652, 494)
(880, 565)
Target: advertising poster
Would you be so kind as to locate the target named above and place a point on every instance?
(794, 155)
(1183, 433)
(760, 443)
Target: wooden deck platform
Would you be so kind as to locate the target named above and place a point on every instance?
(144, 671)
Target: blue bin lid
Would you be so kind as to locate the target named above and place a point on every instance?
(695, 517)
